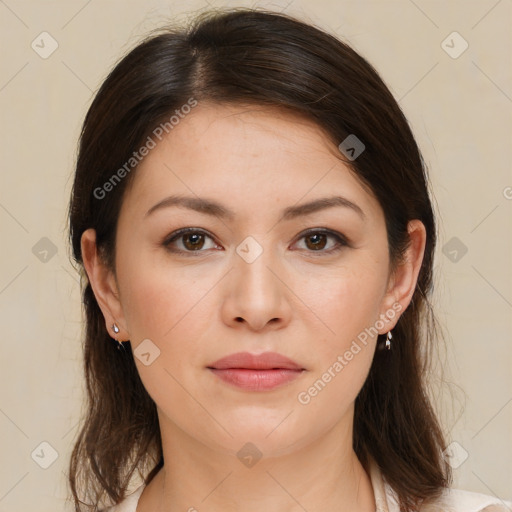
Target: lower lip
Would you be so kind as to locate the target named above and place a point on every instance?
(257, 380)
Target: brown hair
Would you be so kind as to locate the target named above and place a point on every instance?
(264, 58)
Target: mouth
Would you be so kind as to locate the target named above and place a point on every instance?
(253, 372)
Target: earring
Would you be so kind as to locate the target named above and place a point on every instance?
(388, 340)
(115, 328)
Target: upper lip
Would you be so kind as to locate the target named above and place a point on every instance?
(264, 361)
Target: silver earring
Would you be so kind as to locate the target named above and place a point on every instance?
(115, 328)
(388, 340)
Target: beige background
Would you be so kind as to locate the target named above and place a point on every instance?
(460, 109)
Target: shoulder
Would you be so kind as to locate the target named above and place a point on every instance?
(456, 500)
(129, 504)
(450, 500)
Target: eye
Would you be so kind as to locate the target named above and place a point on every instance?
(193, 240)
(318, 240)
(189, 240)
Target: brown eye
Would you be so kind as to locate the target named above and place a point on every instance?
(193, 241)
(188, 241)
(316, 241)
(322, 241)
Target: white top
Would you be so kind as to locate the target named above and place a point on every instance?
(452, 500)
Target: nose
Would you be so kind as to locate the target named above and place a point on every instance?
(256, 295)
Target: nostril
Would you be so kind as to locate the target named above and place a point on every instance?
(239, 319)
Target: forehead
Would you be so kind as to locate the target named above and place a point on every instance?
(226, 131)
(237, 151)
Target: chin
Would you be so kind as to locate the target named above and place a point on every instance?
(271, 438)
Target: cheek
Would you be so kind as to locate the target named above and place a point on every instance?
(167, 307)
(157, 299)
(331, 393)
(349, 306)
(347, 301)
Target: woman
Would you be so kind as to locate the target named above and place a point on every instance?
(251, 211)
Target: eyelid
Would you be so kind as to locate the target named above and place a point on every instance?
(175, 235)
(341, 239)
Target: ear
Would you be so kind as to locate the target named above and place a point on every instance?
(402, 282)
(104, 286)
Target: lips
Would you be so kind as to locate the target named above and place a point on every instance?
(262, 372)
(247, 361)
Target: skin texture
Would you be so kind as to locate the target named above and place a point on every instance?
(306, 303)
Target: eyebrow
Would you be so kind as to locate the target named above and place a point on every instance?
(215, 209)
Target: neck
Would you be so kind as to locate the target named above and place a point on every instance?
(325, 474)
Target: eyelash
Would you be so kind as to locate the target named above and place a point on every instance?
(340, 240)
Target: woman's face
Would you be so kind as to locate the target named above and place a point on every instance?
(284, 251)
